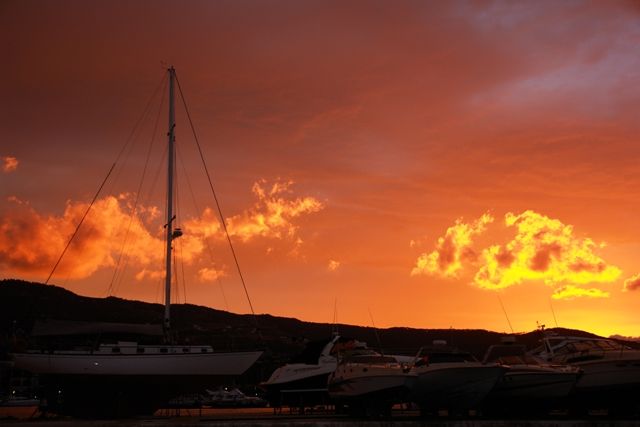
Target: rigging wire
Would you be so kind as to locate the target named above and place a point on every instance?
(120, 153)
(505, 314)
(206, 241)
(553, 312)
(179, 245)
(375, 330)
(176, 294)
(137, 198)
(222, 221)
(79, 224)
(184, 280)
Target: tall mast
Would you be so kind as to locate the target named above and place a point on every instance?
(170, 217)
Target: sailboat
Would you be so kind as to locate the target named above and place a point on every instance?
(126, 378)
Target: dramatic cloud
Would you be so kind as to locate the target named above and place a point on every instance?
(271, 216)
(632, 283)
(31, 243)
(571, 292)
(9, 164)
(545, 250)
(452, 249)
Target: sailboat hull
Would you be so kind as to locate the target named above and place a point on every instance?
(94, 364)
(100, 385)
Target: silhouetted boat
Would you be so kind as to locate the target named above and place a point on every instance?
(231, 397)
(610, 371)
(126, 378)
(529, 385)
(303, 382)
(450, 379)
(370, 383)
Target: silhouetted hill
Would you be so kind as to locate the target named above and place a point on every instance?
(23, 303)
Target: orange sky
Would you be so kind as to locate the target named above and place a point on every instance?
(412, 159)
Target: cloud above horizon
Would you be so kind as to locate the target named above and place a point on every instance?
(632, 283)
(453, 249)
(9, 164)
(543, 250)
(32, 242)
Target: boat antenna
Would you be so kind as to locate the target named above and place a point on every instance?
(375, 330)
(554, 313)
(334, 332)
(505, 314)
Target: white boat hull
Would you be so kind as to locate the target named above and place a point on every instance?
(609, 374)
(366, 386)
(122, 385)
(454, 386)
(209, 364)
(525, 385)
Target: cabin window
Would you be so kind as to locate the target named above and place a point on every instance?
(140, 350)
(185, 349)
(115, 350)
(203, 350)
(163, 350)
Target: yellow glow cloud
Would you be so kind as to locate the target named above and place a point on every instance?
(9, 164)
(452, 249)
(632, 283)
(571, 292)
(545, 250)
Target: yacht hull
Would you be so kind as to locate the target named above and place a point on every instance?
(527, 385)
(613, 384)
(392, 387)
(454, 387)
(300, 392)
(609, 374)
(531, 390)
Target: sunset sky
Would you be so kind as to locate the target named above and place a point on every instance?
(420, 161)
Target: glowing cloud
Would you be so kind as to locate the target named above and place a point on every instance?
(452, 249)
(9, 164)
(545, 250)
(271, 216)
(210, 274)
(31, 243)
(333, 265)
(632, 283)
(571, 292)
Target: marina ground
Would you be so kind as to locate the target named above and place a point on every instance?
(262, 417)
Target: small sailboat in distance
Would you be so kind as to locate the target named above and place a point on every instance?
(126, 378)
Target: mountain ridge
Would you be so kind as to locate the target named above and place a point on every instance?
(24, 303)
